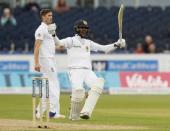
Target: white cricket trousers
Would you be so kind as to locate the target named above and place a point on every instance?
(80, 76)
(48, 70)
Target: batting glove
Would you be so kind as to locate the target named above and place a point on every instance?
(121, 43)
(52, 29)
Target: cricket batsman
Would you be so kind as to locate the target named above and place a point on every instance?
(80, 68)
(44, 58)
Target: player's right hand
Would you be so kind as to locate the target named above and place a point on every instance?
(37, 67)
(52, 29)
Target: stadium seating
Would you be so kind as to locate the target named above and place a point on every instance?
(138, 22)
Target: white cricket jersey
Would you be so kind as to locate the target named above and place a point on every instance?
(78, 50)
(47, 48)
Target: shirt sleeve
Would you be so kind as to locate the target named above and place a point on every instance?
(105, 48)
(39, 34)
(67, 42)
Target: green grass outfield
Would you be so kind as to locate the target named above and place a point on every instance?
(150, 112)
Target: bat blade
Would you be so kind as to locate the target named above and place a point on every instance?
(120, 20)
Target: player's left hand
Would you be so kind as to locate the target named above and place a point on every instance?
(121, 43)
(52, 29)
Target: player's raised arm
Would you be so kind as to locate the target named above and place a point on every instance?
(108, 48)
(52, 31)
(61, 43)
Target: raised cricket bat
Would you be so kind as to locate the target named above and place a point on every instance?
(120, 20)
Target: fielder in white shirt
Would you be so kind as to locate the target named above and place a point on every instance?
(44, 58)
(80, 68)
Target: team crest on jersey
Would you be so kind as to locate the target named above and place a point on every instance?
(52, 69)
(39, 35)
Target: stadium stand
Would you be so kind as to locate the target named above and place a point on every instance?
(138, 22)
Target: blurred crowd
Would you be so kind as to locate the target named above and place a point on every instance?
(148, 46)
(8, 22)
(7, 18)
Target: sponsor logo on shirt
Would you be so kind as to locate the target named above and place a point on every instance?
(77, 46)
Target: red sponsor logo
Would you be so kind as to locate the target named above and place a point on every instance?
(145, 79)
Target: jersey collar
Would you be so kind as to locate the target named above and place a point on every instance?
(44, 24)
(79, 37)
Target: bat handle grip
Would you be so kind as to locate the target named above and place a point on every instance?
(120, 36)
